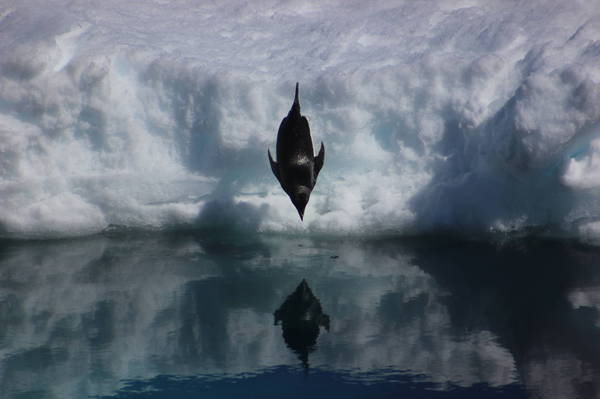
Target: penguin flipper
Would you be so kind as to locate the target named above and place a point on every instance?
(319, 160)
(274, 166)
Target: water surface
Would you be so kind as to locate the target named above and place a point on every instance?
(186, 315)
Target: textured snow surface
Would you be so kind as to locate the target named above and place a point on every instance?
(461, 116)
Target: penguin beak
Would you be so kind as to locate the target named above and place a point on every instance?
(300, 208)
(300, 200)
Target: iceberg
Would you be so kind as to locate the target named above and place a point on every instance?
(469, 117)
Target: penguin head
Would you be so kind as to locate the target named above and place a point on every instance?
(300, 198)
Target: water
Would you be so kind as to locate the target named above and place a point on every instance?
(182, 315)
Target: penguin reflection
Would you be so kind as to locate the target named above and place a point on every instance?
(301, 316)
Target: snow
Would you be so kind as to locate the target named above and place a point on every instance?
(468, 117)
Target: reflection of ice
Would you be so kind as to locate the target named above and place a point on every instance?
(560, 377)
(397, 318)
(524, 295)
(83, 314)
(586, 297)
(78, 317)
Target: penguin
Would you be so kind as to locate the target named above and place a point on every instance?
(297, 167)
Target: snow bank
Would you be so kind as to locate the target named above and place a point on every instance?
(467, 116)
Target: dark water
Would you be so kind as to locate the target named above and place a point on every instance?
(191, 316)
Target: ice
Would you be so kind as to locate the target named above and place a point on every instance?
(468, 117)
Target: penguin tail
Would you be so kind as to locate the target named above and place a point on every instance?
(295, 111)
(296, 101)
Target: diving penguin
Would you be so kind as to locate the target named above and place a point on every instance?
(297, 167)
